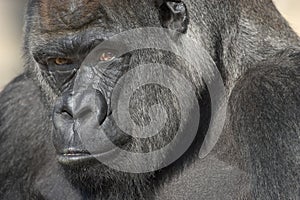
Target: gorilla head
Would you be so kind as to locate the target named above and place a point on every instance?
(108, 127)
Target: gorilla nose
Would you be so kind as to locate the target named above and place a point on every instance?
(79, 107)
(76, 114)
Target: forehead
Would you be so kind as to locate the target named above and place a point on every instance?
(72, 14)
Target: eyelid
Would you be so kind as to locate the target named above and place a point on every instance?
(63, 68)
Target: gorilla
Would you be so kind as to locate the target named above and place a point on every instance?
(65, 132)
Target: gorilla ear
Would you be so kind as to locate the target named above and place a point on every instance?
(174, 15)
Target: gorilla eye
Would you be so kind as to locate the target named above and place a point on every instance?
(107, 56)
(62, 64)
(62, 61)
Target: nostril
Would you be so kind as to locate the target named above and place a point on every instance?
(84, 113)
(66, 113)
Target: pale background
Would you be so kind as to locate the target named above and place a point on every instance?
(11, 33)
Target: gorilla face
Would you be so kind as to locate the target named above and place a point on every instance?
(83, 85)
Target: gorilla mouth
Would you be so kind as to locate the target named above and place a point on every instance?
(71, 156)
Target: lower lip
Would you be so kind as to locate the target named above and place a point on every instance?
(68, 159)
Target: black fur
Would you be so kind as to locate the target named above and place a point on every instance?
(257, 156)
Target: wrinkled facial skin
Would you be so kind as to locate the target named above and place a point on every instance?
(59, 40)
(65, 30)
(71, 29)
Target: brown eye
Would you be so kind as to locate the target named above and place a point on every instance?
(62, 61)
(107, 56)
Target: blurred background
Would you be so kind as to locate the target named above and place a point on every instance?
(11, 23)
